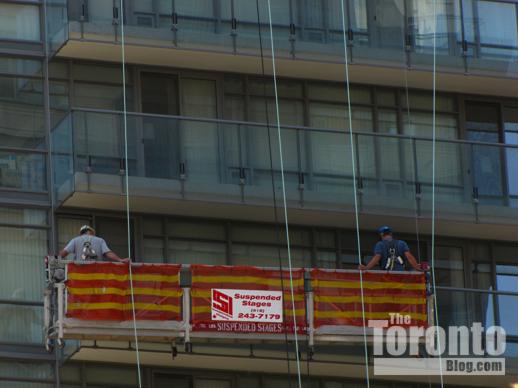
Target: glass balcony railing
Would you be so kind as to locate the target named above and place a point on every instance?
(230, 161)
(57, 24)
(475, 36)
(465, 307)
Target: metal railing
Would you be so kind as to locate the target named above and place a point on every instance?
(393, 172)
(463, 34)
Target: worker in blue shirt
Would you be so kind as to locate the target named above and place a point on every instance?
(390, 254)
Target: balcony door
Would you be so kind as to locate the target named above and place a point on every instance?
(483, 125)
(160, 134)
(511, 154)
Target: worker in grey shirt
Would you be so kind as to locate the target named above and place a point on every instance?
(87, 246)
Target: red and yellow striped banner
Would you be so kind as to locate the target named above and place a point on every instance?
(206, 277)
(102, 291)
(338, 300)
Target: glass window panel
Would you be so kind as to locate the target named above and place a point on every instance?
(234, 84)
(100, 11)
(197, 252)
(21, 252)
(268, 256)
(22, 171)
(486, 161)
(19, 66)
(153, 250)
(211, 383)
(507, 280)
(159, 93)
(425, 24)
(200, 8)
(168, 381)
(497, 23)
(248, 382)
(24, 384)
(325, 239)
(70, 373)
(449, 266)
(23, 216)
(199, 98)
(21, 324)
(22, 120)
(111, 375)
(99, 73)
(99, 96)
(386, 97)
(19, 21)
(291, 112)
(338, 93)
(419, 100)
(234, 108)
(334, 116)
(270, 235)
(326, 259)
(512, 162)
(482, 116)
(114, 231)
(153, 226)
(197, 229)
(285, 88)
(29, 370)
(420, 125)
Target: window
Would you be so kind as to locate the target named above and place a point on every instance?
(114, 231)
(22, 171)
(497, 23)
(159, 93)
(19, 22)
(482, 124)
(507, 280)
(511, 138)
(22, 119)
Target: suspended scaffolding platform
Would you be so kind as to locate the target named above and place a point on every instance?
(195, 303)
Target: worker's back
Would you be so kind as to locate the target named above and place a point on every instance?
(87, 247)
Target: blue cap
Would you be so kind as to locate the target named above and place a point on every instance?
(384, 229)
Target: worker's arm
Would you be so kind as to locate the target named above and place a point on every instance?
(63, 253)
(113, 257)
(374, 261)
(413, 262)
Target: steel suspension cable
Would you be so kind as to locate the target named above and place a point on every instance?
(274, 194)
(126, 177)
(434, 98)
(285, 208)
(356, 213)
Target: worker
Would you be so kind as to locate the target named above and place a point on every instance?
(390, 253)
(87, 246)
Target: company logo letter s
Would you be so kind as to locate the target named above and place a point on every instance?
(222, 302)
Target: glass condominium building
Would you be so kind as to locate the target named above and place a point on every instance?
(160, 124)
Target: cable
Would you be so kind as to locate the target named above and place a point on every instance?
(288, 245)
(416, 213)
(126, 172)
(357, 221)
(274, 195)
(433, 185)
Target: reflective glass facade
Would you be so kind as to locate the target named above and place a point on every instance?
(191, 112)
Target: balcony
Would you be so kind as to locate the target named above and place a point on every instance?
(179, 165)
(386, 34)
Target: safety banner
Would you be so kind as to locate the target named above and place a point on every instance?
(246, 299)
(102, 291)
(338, 298)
